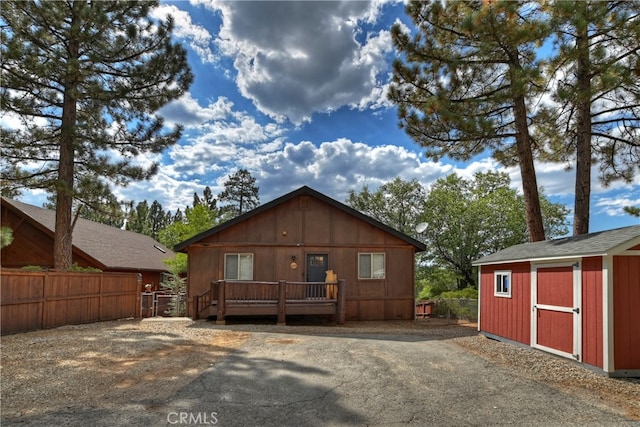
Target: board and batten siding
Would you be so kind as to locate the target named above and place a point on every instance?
(592, 312)
(626, 316)
(507, 317)
(305, 225)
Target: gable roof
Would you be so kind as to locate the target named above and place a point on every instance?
(600, 243)
(304, 190)
(110, 247)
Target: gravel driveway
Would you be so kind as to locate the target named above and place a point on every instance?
(375, 374)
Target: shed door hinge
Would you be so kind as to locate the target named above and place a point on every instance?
(576, 310)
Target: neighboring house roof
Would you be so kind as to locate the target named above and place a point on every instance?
(110, 247)
(300, 192)
(600, 243)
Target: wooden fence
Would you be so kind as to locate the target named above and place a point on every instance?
(41, 300)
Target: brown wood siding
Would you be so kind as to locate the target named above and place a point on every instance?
(306, 225)
(49, 299)
(626, 306)
(592, 344)
(507, 317)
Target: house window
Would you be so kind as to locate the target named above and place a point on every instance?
(238, 266)
(502, 280)
(371, 266)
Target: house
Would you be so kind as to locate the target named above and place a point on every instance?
(296, 239)
(577, 297)
(100, 246)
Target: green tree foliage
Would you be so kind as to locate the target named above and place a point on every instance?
(397, 204)
(432, 280)
(94, 201)
(462, 81)
(196, 220)
(6, 236)
(85, 79)
(595, 113)
(207, 199)
(632, 210)
(468, 219)
(240, 194)
(139, 220)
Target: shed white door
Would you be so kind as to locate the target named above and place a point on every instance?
(556, 309)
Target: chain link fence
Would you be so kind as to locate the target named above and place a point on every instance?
(455, 308)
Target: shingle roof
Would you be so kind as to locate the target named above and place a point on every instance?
(599, 243)
(111, 247)
(304, 190)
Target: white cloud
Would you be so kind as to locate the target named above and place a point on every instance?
(294, 59)
(198, 38)
(613, 206)
(188, 112)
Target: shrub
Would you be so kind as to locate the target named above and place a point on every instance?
(178, 287)
(468, 292)
(80, 269)
(35, 268)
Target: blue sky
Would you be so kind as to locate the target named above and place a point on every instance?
(296, 94)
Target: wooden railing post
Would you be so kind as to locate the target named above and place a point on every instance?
(341, 313)
(221, 302)
(196, 307)
(282, 303)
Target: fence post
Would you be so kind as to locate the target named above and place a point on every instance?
(282, 303)
(341, 314)
(221, 303)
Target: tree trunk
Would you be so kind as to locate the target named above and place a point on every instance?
(583, 137)
(62, 243)
(528, 173)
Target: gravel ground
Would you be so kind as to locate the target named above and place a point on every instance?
(108, 364)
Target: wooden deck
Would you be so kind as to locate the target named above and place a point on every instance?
(250, 298)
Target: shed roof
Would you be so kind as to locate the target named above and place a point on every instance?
(600, 243)
(304, 190)
(110, 247)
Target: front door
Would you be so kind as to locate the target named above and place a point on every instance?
(317, 266)
(556, 309)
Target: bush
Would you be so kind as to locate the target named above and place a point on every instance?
(35, 268)
(178, 287)
(78, 268)
(468, 292)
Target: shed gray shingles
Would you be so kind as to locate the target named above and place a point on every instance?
(110, 246)
(598, 243)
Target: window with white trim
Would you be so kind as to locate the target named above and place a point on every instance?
(371, 266)
(502, 283)
(238, 266)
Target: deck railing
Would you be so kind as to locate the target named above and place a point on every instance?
(282, 297)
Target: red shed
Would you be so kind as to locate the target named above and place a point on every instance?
(577, 297)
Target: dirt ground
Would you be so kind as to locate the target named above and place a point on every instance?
(112, 363)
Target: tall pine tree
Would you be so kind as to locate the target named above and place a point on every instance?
(594, 113)
(86, 79)
(240, 194)
(462, 81)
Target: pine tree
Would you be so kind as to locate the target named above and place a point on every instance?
(240, 193)
(595, 113)
(462, 81)
(85, 78)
